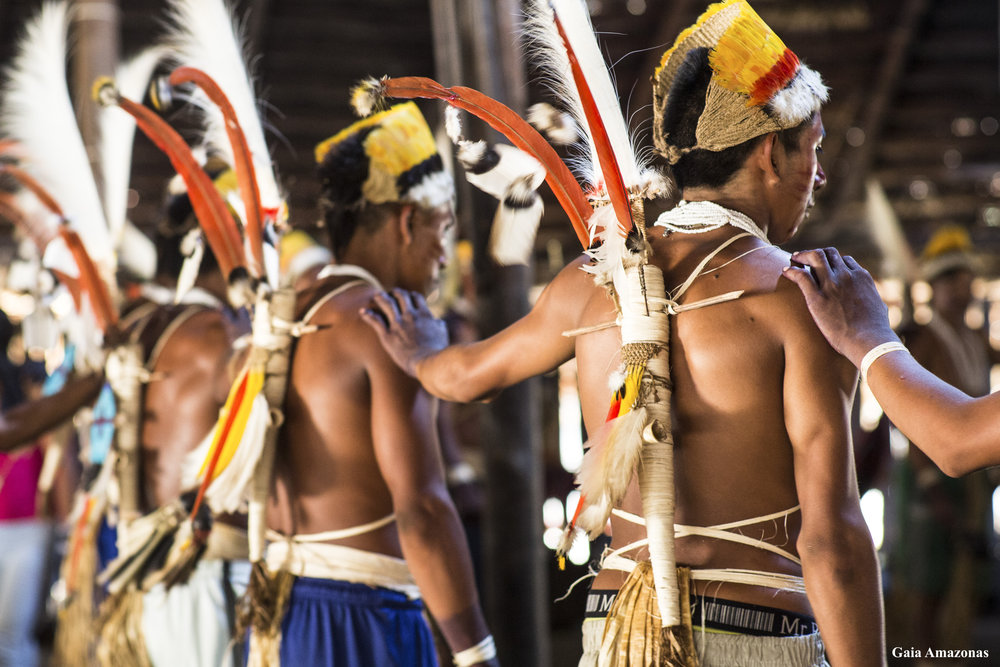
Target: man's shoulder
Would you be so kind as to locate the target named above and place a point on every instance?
(333, 298)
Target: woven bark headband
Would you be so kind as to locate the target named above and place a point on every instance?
(757, 84)
(388, 157)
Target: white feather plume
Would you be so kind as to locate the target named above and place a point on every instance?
(118, 134)
(609, 253)
(204, 34)
(558, 126)
(38, 112)
(453, 123)
(608, 467)
(515, 224)
(549, 53)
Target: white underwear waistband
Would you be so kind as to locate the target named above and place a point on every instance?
(334, 561)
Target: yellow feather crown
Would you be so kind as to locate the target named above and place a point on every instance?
(758, 85)
(949, 249)
(403, 161)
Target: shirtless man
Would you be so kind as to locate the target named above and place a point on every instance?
(757, 432)
(361, 513)
(186, 349)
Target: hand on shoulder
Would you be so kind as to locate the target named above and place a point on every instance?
(405, 326)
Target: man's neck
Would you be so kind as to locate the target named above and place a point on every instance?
(732, 198)
(371, 257)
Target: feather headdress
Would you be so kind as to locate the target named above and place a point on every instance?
(213, 215)
(204, 35)
(403, 164)
(136, 252)
(371, 94)
(948, 249)
(757, 85)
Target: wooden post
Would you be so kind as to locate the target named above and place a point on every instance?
(95, 27)
(476, 45)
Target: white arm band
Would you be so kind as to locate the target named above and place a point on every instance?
(877, 352)
(481, 652)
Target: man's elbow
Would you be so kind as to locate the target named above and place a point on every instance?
(955, 462)
(958, 454)
(421, 515)
(846, 550)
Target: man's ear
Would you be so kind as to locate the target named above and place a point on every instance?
(769, 154)
(406, 223)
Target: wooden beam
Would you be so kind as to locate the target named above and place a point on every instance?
(95, 27)
(884, 88)
(475, 45)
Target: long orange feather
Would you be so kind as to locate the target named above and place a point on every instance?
(100, 298)
(245, 171)
(613, 181)
(90, 278)
(503, 119)
(11, 209)
(227, 426)
(36, 188)
(210, 209)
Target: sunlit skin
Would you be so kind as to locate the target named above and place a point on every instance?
(756, 429)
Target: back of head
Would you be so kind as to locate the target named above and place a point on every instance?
(371, 168)
(178, 222)
(711, 102)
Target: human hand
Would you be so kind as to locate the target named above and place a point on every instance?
(843, 300)
(407, 329)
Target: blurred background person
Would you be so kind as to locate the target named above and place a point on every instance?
(944, 524)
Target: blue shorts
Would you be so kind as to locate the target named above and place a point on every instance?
(338, 623)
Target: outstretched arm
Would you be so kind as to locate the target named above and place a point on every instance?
(958, 432)
(477, 371)
(24, 423)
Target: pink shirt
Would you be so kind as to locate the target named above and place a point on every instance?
(19, 483)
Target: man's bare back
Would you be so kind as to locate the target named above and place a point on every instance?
(733, 454)
(327, 456)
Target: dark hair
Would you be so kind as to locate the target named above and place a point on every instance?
(177, 220)
(686, 102)
(343, 222)
(342, 172)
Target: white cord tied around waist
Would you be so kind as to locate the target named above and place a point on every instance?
(481, 652)
(877, 353)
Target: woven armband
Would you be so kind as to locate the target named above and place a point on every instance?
(876, 353)
(481, 652)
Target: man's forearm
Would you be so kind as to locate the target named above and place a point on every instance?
(453, 374)
(843, 584)
(22, 424)
(958, 432)
(435, 550)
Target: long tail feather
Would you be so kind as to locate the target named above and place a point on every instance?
(204, 34)
(502, 119)
(209, 208)
(242, 161)
(611, 168)
(96, 289)
(118, 134)
(89, 275)
(33, 223)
